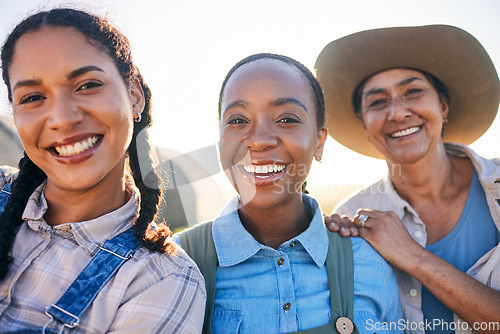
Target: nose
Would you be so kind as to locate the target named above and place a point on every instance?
(261, 136)
(398, 110)
(63, 113)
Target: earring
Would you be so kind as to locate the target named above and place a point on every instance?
(138, 118)
(318, 158)
(445, 119)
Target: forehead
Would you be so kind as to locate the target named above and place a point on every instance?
(52, 48)
(269, 75)
(391, 77)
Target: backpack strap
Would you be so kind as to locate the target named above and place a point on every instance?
(340, 270)
(198, 243)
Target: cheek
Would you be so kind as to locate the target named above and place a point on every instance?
(28, 128)
(371, 125)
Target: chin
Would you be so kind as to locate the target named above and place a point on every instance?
(405, 158)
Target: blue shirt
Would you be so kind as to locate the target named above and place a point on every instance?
(475, 227)
(263, 290)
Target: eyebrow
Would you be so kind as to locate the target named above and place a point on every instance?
(72, 75)
(381, 90)
(83, 70)
(239, 103)
(275, 103)
(26, 83)
(287, 100)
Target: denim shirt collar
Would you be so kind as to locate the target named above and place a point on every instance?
(234, 244)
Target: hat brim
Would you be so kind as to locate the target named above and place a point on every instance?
(449, 53)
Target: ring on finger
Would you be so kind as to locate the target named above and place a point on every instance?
(362, 220)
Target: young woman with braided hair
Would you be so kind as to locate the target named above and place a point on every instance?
(78, 240)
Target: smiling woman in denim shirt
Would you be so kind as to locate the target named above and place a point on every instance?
(269, 264)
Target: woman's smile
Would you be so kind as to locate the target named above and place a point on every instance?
(72, 107)
(268, 130)
(405, 132)
(262, 175)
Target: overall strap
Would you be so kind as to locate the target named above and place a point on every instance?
(4, 196)
(198, 243)
(85, 288)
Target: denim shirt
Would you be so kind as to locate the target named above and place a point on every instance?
(263, 290)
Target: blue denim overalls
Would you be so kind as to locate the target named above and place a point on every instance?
(66, 312)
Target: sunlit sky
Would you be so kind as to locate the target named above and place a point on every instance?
(185, 48)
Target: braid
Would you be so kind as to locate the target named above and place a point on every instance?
(108, 39)
(28, 179)
(156, 239)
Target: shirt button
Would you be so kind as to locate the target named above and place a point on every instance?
(281, 261)
(293, 243)
(66, 228)
(418, 234)
(413, 293)
(286, 306)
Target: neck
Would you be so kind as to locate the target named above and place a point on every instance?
(428, 177)
(66, 206)
(273, 226)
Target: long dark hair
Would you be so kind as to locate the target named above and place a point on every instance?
(107, 38)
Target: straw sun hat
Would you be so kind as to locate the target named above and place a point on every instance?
(451, 54)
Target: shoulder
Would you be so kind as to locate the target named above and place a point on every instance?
(363, 252)
(7, 175)
(486, 168)
(376, 293)
(197, 236)
(155, 268)
(370, 268)
(165, 264)
(363, 198)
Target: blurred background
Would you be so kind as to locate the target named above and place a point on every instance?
(185, 48)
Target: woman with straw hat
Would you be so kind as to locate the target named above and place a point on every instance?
(400, 94)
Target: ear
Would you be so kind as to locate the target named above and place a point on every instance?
(445, 108)
(322, 134)
(137, 97)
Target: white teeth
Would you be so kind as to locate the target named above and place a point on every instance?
(263, 169)
(77, 148)
(405, 132)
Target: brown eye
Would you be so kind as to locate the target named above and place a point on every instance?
(89, 85)
(413, 92)
(377, 104)
(31, 98)
(236, 121)
(288, 120)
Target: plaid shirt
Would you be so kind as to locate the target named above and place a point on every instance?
(151, 293)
